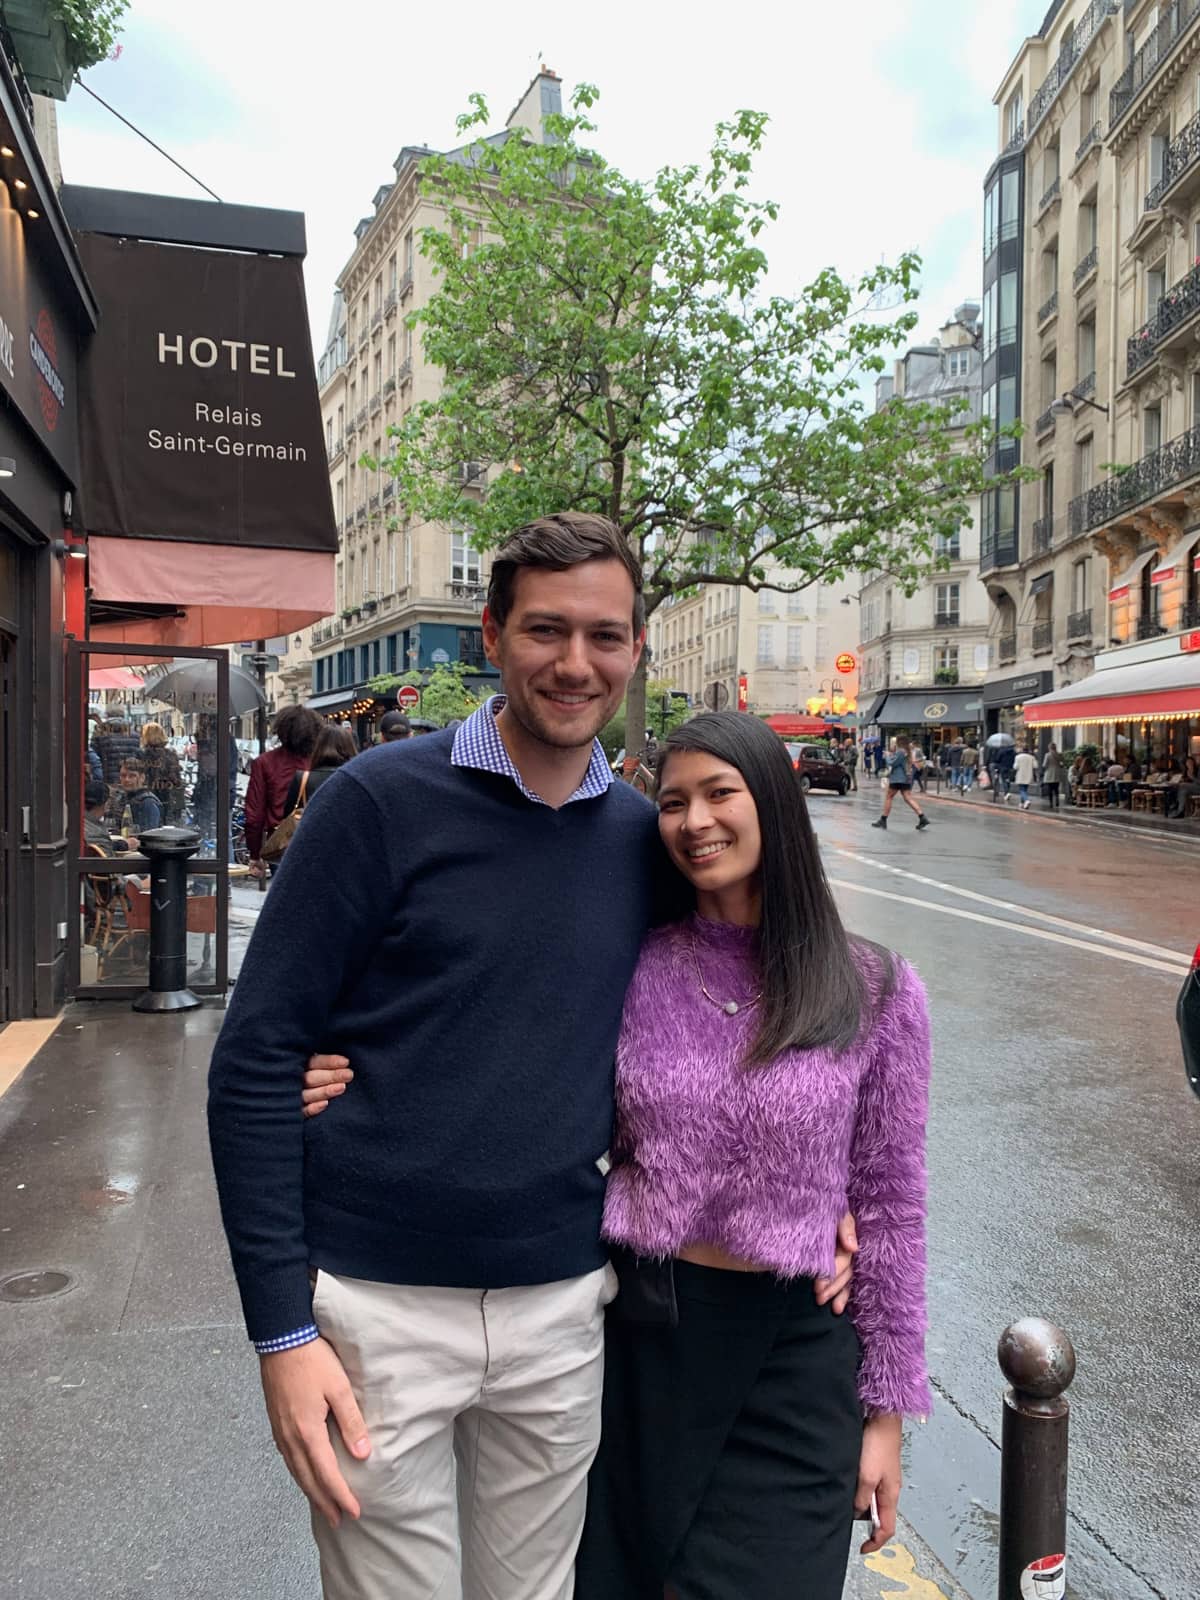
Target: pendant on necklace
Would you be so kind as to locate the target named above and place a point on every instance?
(731, 1008)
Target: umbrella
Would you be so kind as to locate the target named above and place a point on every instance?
(999, 741)
(193, 687)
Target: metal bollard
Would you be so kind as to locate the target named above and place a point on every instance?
(1038, 1360)
(168, 850)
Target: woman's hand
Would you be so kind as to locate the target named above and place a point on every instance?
(879, 1475)
(324, 1079)
(837, 1288)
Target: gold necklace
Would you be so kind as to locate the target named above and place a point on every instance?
(729, 1007)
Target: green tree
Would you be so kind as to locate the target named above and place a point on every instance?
(608, 344)
(445, 696)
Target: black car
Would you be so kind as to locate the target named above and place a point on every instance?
(817, 768)
(1187, 1013)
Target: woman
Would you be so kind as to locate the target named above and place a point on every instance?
(1052, 771)
(899, 783)
(163, 777)
(770, 1072)
(333, 747)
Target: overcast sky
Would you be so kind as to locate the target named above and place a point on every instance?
(881, 127)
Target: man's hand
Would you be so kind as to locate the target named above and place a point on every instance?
(325, 1077)
(302, 1387)
(879, 1475)
(837, 1288)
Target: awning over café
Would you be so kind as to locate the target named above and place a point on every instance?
(929, 707)
(1164, 690)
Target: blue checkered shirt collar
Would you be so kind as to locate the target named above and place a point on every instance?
(478, 744)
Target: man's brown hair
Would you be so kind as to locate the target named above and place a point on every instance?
(555, 544)
(296, 728)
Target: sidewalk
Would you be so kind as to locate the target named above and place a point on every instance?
(1115, 819)
(137, 1460)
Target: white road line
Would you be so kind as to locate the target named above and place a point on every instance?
(1019, 910)
(1176, 971)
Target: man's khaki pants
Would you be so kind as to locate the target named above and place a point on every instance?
(483, 1411)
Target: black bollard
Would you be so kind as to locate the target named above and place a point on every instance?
(168, 850)
(1038, 1360)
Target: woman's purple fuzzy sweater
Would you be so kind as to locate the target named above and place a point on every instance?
(763, 1161)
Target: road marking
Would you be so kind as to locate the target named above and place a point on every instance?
(1177, 971)
(898, 1565)
(1019, 910)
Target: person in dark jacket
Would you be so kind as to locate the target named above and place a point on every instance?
(134, 807)
(114, 744)
(334, 747)
(296, 728)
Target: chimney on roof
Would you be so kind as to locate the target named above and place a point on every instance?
(542, 99)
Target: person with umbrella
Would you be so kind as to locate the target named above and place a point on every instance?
(1001, 759)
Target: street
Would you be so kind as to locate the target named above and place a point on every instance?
(1063, 1166)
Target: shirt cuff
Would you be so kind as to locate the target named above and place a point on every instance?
(288, 1341)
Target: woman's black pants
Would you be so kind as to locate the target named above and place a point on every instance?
(729, 1454)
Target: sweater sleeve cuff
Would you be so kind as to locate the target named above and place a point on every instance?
(287, 1341)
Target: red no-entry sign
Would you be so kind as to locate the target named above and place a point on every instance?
(408, 698)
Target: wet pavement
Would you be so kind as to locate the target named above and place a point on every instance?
(1063, 1156)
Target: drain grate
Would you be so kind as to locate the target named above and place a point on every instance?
(20, 1286)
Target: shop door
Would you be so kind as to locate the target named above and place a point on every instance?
(7, 824)
(191, 785)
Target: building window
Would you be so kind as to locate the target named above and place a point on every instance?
(947, 545)
(464, 562)
(1014, 117)
(766, 645)
(408, 251)
(1008, 308)
(1156, 287)
(795, 646)
(1151, 594)
(1049, 377)
(1081, 584)
(958, 363)
(1049, 271)
(1152, 424)
(392, 279)
(945, 604)
(1086, 349)
(1083, 465)
(1159, 141)
(1088, 234)
(945, 659)
(766, 601)
(795, 604)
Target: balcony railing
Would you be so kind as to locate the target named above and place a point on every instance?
(1085, 387)
(1177, 18)
(406, 282)
(389, 490)
(471, 593)
(1150, 628)
(364, 338)
(1191, 615)
(1047, 309)
(1176, 308)
(1043, 637)
(1087, 266)
(1045, 423)
(376, 404)
(945, 619)
(1089, 140)
(1172, 464)
(1053, 193)
(997, 551)
(389, 305)
(376, 318)
(389, 386)
(1182, 152)
(1043, 535)
(1085, 31)
(1008, 647)
(404, 370)
(1079, 624)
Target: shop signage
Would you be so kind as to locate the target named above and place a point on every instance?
(936, 711)
(37, 351)
(198, 402)
(1189, 641)
(1120, 593)
(1010, 691)
(743, 700)
(846, 662)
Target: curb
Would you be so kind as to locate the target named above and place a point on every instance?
(906, 1568)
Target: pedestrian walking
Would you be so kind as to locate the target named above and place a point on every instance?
(919, 763)
(163, 776)
(1001, 769)
(727, 1386)
(1052, 776)
(954, 761)
(296, 728)
(1024, 772)
(335, 745)
(968, 766)
(428, 920)
(851, 750)
(899, 779)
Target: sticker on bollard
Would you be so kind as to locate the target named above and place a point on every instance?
(1045, 1579)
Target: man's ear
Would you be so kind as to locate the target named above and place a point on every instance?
(491, 637)
(639, 644)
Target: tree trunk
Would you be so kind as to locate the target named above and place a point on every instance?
(635, 712)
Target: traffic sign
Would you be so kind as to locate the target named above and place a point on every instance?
(408, 698)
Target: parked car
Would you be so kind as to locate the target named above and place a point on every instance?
(817, 769)
(1187, 1013)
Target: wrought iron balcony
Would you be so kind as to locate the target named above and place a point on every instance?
(1087, 266)
(1191, 615)
(945, 619)
(1181, 154)
(406, 282)
(1043, 535)
(1079, 624)
(1150, 628)
(1085, 387)
(389, 489)
(1177, 18)
(404, 370)
(389, 386)
(1053, 193)
(389, 305)
(1048, 308)
(376, 318)
(1085, 31)
(1043, 637)
(376, 404)
(1008, 647)
(1174, 463)
(361, 418)
(1017, 142)
(1045, 423)
(1174, 311)
(1090, 139)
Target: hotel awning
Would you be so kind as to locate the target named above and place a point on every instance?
(1164, 690)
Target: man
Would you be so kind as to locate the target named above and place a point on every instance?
(114, 743)
(394, 725)
(135, 808)
(96, 800)
(954, 756)
(850, 757)
(969, 764)
(296, 728)
(470, 955)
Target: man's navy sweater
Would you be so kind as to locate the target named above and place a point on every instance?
(468, 949)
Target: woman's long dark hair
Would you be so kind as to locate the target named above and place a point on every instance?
(333, 747)
(813, 991)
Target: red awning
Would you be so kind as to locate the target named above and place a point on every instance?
(224, 593)
(113, 678)
(793, 727)
(1167, 688)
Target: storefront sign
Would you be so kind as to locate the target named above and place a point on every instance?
(1011, 691)
(1189, 641)
(38, 367)
(199, 406)
(1162, 574)
(1120, 593)
(743, 699)
(846, 663)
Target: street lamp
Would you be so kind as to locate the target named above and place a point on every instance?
(1065, 405)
